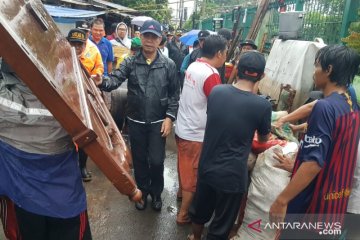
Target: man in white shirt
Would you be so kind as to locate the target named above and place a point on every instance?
(191, 121)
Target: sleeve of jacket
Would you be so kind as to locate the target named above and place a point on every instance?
(173, 91)
(117, 77)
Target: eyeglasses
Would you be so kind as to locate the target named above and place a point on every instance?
(121, 30)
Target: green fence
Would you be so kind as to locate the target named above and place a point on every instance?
(326, 19)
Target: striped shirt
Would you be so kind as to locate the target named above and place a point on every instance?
(331, 141)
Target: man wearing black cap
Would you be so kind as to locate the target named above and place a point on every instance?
(91, 59)
(91, 54)
(245, 46)
(153, 94)
(234, 113)
(77, 39)
(197, 53)
(248, 45)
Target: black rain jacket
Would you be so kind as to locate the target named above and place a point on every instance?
(153, 90)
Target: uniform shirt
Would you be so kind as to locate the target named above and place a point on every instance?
(106, 52)
(91, 59)
(332, 142)
(233, 116)
(191, 119)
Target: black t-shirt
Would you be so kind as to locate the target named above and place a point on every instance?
(233, 116)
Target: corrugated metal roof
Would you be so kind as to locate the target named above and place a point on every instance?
(64, 12)
(116, 6)
(76, 2)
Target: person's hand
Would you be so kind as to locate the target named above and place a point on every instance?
(302, 128)
(166, 127)
(277, 211)
(285, 163)
(279, 123)
(97, 79)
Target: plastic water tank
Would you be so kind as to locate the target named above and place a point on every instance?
(290, 25)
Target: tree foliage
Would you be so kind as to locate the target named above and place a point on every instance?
(213, 7)
(157, 9)
(353, 40)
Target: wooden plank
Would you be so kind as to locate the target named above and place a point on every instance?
(41, 56)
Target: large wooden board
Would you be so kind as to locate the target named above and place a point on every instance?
(41, 56)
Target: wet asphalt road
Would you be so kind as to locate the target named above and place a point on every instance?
(114, 217)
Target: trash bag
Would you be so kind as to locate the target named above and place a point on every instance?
(267, 182)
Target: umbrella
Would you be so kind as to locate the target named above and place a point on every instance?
(190, 37)
(139, 21)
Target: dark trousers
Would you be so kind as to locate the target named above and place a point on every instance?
(148, 151)
(38, 227)
(208, 200)
(82, 159)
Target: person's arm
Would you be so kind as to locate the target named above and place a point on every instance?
(265, 127)
(263, 138)
(109, 65)
(302, 178)
(115, 79)
(173, 99)
(285, 162)
(210, 83)
(99, 66)
(300, 113)
(97, 78)
(185, 64)
(110, 59)
(299, 128)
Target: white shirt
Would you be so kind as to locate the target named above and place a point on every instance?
(200, 78)
(164, 51)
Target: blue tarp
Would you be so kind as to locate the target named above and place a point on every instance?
(62, 12)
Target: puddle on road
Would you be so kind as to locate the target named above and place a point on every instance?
(170, 180)
(170, 174)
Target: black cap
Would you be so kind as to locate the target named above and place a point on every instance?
(83, 25)
(76, 35)
(249, 42)
(151, 26)
(251, 66)
(203, 34)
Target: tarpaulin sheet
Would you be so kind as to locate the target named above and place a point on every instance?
(290, 62)
(62, 12)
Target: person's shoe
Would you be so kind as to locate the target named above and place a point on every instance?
(142, 205)
(156, 203)
(85, 175)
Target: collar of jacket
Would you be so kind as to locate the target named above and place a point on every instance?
(159, 61)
